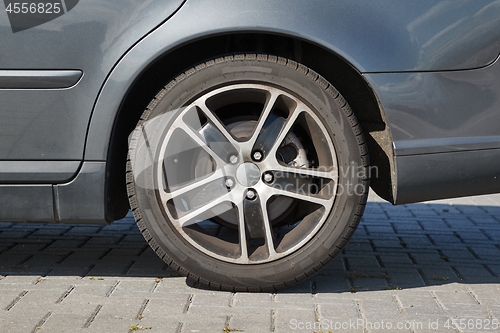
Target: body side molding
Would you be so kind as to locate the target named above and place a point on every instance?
(37, 171)
(39, 79)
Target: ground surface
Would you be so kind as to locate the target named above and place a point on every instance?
(419, 266)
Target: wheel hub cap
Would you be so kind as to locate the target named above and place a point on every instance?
(248, 174)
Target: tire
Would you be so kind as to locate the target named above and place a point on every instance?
(248, 173)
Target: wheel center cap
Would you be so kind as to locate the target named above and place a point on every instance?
(248, 174)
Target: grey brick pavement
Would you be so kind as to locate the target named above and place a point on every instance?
(420, 265)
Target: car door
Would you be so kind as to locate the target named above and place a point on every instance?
(54, 57)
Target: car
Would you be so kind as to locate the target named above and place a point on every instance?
(244, 135)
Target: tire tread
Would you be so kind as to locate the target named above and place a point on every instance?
(328, 88)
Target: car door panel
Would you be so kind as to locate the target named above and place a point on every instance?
(51, 74)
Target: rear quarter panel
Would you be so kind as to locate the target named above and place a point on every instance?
(381, 36)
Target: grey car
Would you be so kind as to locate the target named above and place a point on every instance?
(244, 135)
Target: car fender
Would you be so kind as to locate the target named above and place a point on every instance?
(387, 37)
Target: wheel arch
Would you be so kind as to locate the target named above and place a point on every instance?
(327, 63)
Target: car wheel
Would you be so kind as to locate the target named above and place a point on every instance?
(247, 173)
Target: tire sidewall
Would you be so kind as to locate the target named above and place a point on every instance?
(328, 240)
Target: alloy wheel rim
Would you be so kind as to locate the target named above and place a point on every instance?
(246, 176)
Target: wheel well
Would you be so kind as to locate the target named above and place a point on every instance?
(336, 70)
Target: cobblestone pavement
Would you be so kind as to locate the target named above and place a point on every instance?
(413, 268)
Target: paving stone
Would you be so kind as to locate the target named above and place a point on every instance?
(67, 321)
(170, 306)
(13, 233)
(293, 301)
(211, 322)
(471, 210)
(8, 296)
(420, 242)
(120, 266)
(377, 229)
(381, 244)
(249, 300)
(219, 299)
(476, 274)
(244, 320)
(486, 251)
(422, 263)
(404, 279)
(451, 299)
(405, 225)
(331, 282)
(400, 258)
(419, 303)
(295, 320)
(432, 224)
(432, 257)
(67, 243)
(470, 236)
(83, 230)
(99, 241)
(113, 318)
(304, 287)
(357, 246)
(90, 289)
(8, 260)
(362, 263)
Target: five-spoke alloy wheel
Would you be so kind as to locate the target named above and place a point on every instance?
(247, 172)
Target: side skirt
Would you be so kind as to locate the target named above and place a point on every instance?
(81, 201)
